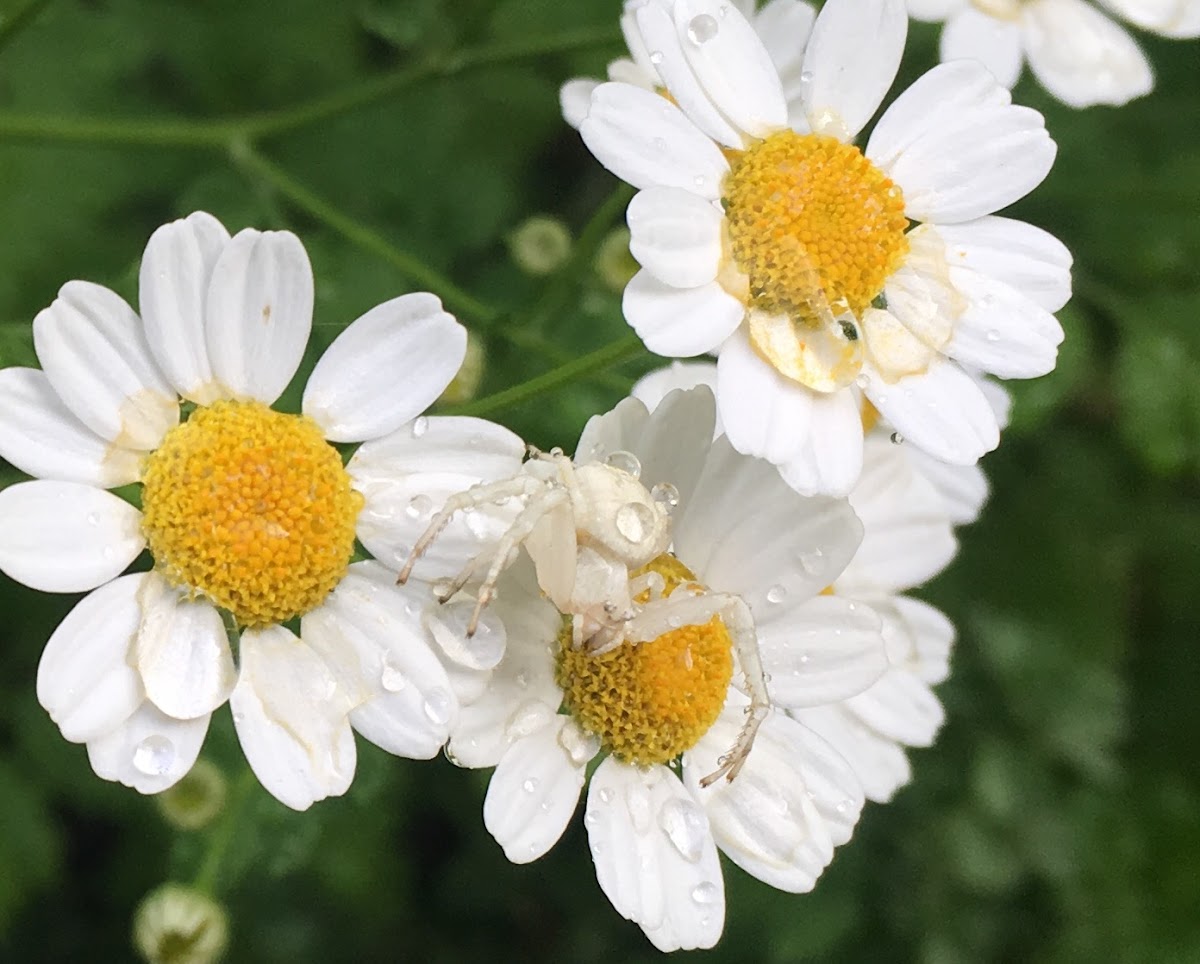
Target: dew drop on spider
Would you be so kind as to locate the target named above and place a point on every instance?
(634, 520)
(665, 494)
(626, 462)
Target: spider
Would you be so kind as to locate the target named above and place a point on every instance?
(587, 528)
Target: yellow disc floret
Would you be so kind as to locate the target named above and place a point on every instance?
(251, 509)
(648, 702)
(812, 220)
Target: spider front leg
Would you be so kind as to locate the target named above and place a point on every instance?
(485, 493)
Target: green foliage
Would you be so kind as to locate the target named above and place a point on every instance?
(1054, 820)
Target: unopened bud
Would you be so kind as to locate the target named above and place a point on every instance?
(614, 264)
(196, 799)
(464, 386)
(176, 924)
(540, 245)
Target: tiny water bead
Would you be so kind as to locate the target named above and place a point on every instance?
(250, 508)
(154, 756)
(648, 702)
(625, 462)
(702, 28)
(635, 520)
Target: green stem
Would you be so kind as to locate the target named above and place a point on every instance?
(13, 23)
(582, 367)
(220, 132)
(222, 836)
(456, 299)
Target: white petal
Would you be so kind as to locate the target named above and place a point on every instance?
(1002, 331)
(173, 290)
(829, 458)
(671, 443)
(941, 411)
(931, 635)
(676, 236)
(832, 785)
(533, 793)
(657, 29)
(891, 345)
(1027, 258)
(994, 42)
(746, 532)
(680, 322)
(574, 98)
(879, 764)
(93, 350)
(290, 716)
(182, 652)
(764, 414)
(907, 535)
(85, 680)
(933, 10)
(385, 369)
(645, 140)
(732, 65)
(65, 536)
(784, 27)
(822, 651)
(900, 707)
(365, 632)
(764, 820)
(408, 475)
(259, 313)
(1081, 56)
(962, 488)
(958, 147)
(853, 56)
(150, 751)
(654, 854)
(653, 387)
(40, 436)
(1171, 18)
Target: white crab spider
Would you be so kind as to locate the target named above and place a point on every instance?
(586, 528)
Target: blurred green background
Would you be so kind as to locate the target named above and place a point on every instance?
(404, 140)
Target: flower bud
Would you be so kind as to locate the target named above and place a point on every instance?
(464, 386)
(614, 264)
(176, 924)
(540, 244)
(196, 799)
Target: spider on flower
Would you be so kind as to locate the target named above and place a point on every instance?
(592, 531)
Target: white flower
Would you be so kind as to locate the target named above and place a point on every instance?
(783, 27)
(1076, 52)
(787, 251)
(248, 513)
(653, 828)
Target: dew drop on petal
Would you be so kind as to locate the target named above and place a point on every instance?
(993, 336)
(437, 706)
(637, 800)
(419, 507)
(420, 426)
(635, 520)
(656, 57)
(448, 625)
(810, 561)
(530, 784)
(702, 28)
(684, 824)
(665, 494)
(390, 677)
(580, 745)
(527, 718)
(897, 438)
(606, 795)
(776, 594)
(705, 893)
(154, 755)
(625, 462)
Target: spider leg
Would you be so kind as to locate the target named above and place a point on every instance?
(485, 493)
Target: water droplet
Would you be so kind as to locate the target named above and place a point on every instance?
(702, 28)
(635, 521)
(993, 336)
(842, 806)
(665, 494)
(776, 594)
(527, 718)
(698, 180)
(93, 519)
(530, 784)
(660, 143)
(419, 507)
(625, 462)
(863, 381)
(580, 745)
(438, 703)
(897, 438)
(804, 659)
(706, 893)
(154, 756)
(449, 755)
(390, 677)
(606, 795)
(810, 561)
(656, 57)
(477, 524)
(448, 626)
(684, 824)
(420, 426)
(637, 800)
(591, 818)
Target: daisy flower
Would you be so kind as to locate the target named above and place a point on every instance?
(661, 715)
(1080, 55)
(818, 272)
(248, 513)
(782, 26)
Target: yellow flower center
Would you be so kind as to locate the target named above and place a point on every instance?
(649, 702)
(811, 221)
(250, 508)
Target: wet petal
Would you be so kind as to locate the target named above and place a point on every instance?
(150, 751)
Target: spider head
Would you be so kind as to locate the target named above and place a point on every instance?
(620, 517)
